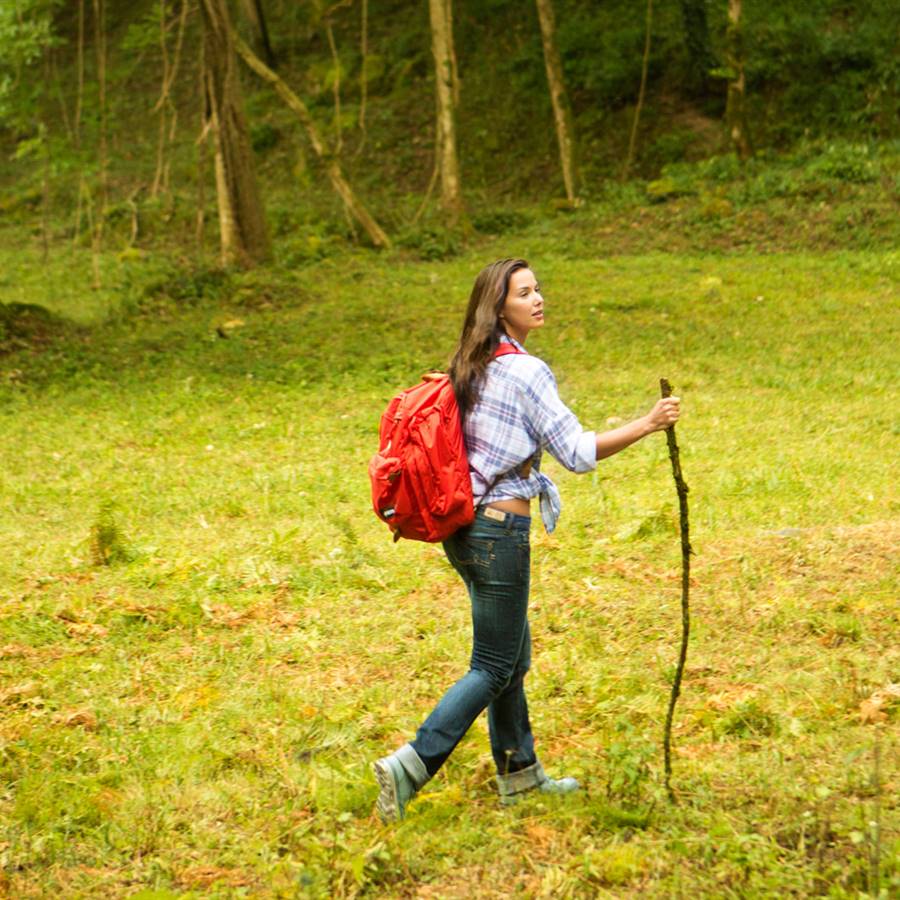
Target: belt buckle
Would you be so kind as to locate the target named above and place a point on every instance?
(495, 514)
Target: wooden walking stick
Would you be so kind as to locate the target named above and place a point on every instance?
(682, 489)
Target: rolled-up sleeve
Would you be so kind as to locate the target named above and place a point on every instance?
(554, 426)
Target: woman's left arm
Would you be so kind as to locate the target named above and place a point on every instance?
(664, 413)
(557, 428)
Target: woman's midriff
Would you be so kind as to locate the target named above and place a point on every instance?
(517, 507)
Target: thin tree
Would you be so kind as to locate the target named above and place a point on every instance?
(253, 10)
(202, 145)
(45, 145)
(355, 209)
(632, 140)
(696, 38)
(76, 126)
(442, 50)
(454, 68)
(242, 226)
(98, 215)
(363, 73)
(735, 111)
(562, 110)
(335, 87)
(79, 65)
(168, 112)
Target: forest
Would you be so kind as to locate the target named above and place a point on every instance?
(420, 124)
(232, 230)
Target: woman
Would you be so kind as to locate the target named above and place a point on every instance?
(511, 411)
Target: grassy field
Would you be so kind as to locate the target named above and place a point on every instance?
(206, 636)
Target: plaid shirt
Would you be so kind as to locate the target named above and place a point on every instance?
(517, 416)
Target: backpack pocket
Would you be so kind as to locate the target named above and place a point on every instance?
(385, 476)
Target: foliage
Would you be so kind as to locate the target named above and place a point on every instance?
(748, 719)
(812, 170)
(830, 64)
(431, 241)
(186, 284)
(846, 162)
(108, 544)
(628, 760)
(603, 48)
(26, 32)
(826, 74)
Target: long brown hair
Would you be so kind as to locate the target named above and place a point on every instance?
(481, 330)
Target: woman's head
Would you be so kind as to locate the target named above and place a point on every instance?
(489, 296)
(504, 299)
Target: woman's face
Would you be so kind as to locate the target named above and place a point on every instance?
(524, 305)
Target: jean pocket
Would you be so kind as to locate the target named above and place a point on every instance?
(468, 555)
(507, 563)
(477, 551)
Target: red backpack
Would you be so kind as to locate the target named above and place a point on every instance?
(421, 485)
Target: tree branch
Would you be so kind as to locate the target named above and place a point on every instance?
(332, 167)
(682, 490)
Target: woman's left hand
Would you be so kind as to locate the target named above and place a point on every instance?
(664, 414)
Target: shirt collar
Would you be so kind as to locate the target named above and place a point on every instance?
(506, 339)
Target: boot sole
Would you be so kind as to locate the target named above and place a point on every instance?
(387, 805)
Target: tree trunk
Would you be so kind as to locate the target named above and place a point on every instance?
(454, 68)
(363, 76)
(696, 38)
(645, 64)
(442, 50)
(256, 17)
(168, 112)
(562, 112)
(335, 88)
(735, 113)
(202, 145)
(103, 154)
(79, 97)
(243, 236)
(353, 206)
(99, 7)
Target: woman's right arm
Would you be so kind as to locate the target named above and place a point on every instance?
(664, 413)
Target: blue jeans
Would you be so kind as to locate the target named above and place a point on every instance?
(493, 557)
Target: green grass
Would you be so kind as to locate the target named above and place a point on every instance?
(197, 718)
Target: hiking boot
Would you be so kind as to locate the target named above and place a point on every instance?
(514, 786)
(399, 777)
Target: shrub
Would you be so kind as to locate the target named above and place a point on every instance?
(497, 221)
(431, 242)
(187, 284)
(108, 544)
(263, 136)
(846, 162)
(748, 719)
(671, 147)
(628, 763)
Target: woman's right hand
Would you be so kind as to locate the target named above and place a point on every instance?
(664, 414)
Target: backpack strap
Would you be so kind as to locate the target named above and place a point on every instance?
(524, 470)
(502, 350)
(506, 348)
